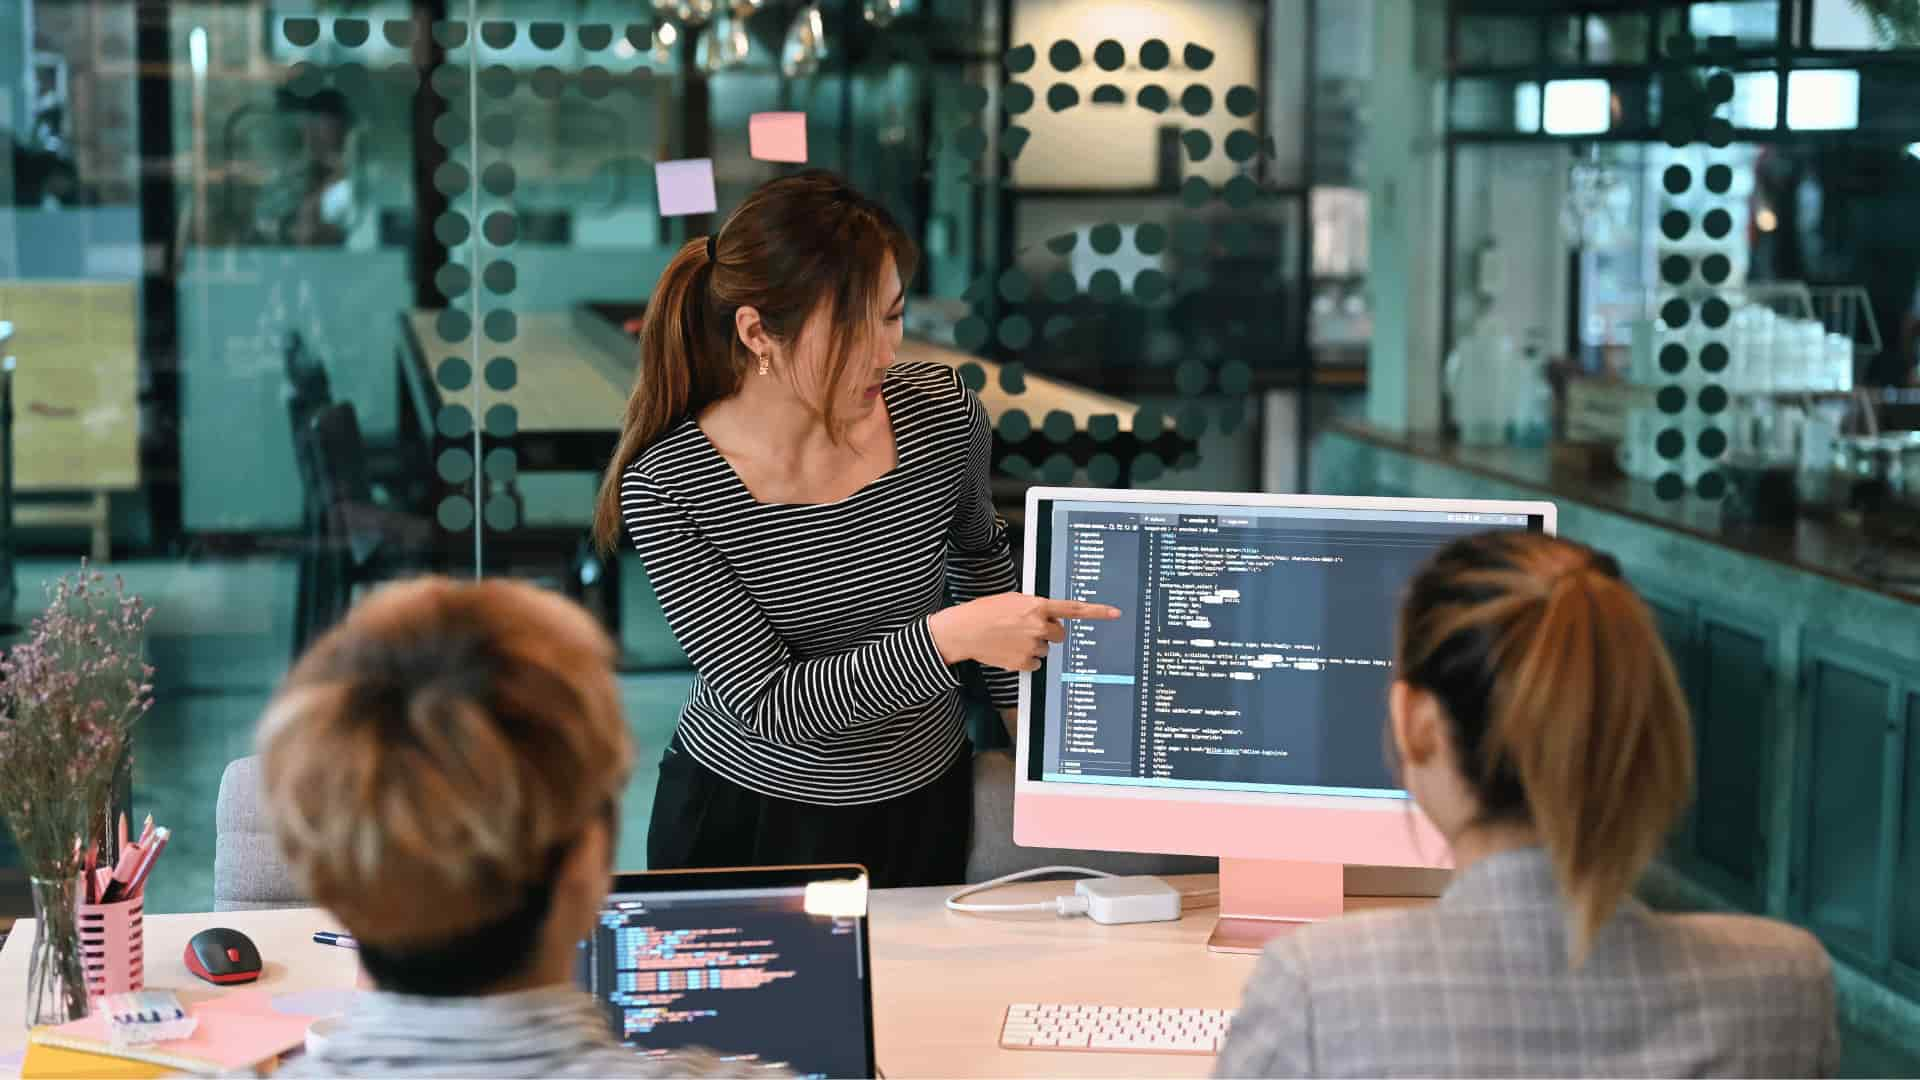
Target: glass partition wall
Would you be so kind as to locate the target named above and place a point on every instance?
(1709, 203)
(1702, 221)
(306, 296)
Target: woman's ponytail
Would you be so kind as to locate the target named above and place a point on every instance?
(1592, 719)
(1564, 706)
(685, 363)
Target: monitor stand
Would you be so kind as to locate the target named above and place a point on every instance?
(1262, 899)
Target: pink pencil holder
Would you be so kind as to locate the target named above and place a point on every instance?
(113, 947)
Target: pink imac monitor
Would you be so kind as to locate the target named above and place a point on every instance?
(1238, 707)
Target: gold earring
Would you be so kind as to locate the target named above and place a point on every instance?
(764, 366)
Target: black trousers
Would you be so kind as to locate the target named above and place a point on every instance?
(703, 820)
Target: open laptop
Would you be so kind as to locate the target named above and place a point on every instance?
(765, 965)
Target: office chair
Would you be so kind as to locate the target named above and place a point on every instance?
(398, 467)
(306, 392)
(358, 541)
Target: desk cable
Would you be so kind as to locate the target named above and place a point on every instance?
(1066, 906)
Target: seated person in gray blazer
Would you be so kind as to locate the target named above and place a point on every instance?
(443, 773)
(1538, 723)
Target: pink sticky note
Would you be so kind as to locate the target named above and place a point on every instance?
(778, 136)
(685, 187)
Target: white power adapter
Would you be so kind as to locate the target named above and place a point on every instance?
(1129, 900)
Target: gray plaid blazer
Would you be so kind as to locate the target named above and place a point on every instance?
(1478, 984)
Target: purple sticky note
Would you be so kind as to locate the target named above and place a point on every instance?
(685, 187)
(778, 136)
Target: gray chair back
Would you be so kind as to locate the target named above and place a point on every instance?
(248, 872)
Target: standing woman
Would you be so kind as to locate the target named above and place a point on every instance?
(807, 510)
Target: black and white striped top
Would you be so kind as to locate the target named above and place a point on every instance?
(818, 680)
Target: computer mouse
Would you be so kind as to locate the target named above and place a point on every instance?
(223, 956)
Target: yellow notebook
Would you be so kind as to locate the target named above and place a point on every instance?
(45, 1062)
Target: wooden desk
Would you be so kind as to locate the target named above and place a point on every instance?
(941, 981)
(1039, 397)
(568, 398)
(576, 369)
(76, 428)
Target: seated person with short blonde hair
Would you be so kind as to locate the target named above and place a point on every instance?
(443, 772)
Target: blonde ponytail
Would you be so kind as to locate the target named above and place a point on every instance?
(1564, 706)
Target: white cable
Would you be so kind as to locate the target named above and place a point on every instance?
(1064, 906)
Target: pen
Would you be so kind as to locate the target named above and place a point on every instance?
(123, 868)
(328, 937)
(143, 865)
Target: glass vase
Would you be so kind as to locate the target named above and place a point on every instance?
(56, 984)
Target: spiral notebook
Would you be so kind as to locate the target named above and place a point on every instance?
(235, 1031)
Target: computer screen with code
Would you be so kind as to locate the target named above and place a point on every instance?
(741, 972)
(1254, 648)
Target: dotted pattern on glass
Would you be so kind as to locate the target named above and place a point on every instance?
(502, 465)
(455, 465)
(503, 421)
(455, 513)
(454, 422)
(1696, 234)
(503, 512)
(994, 320)
(496, 229)
(454, 374)
(453, 325)
(453, 280)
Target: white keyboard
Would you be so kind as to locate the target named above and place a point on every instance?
(1111, 1029)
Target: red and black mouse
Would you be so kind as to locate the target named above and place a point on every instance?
(223, 956)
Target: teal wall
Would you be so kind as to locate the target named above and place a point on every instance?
(236, 307)
(13, 67)
(553, 278)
